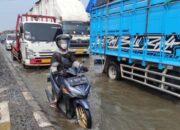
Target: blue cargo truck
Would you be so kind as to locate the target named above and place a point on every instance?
(138, 40)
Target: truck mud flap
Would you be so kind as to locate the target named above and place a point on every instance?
(98, 64)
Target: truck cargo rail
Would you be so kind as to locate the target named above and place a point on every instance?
(148, 77)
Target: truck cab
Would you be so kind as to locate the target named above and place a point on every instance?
(80, 36)
(35, 42)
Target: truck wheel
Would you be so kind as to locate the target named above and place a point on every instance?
(13, 57)
(113, 71)
(25, 66)
(6, 48)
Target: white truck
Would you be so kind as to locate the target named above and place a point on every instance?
(73, 18)
(35, 39)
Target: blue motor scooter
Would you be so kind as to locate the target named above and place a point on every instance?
(72, 94)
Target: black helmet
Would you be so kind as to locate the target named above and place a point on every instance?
(62, 42)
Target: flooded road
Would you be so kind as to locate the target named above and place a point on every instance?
(115, 105)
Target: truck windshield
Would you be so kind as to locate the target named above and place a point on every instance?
(11, 37)
(70, 27)
(41, 31)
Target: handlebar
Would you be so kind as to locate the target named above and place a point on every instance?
(72, 71)
(60, 73)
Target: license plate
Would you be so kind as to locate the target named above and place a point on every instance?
(46, 60)
(79, 51)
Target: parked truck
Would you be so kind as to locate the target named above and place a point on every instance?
(138, 40)
(35, 39)
(72, 16)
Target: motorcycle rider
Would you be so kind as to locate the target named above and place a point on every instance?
(62, 60)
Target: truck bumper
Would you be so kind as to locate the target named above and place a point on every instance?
(79, 51)
(38, 62)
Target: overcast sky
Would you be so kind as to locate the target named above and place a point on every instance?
(9, 9)
(85, 2)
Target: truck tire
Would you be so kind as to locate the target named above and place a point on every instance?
(12, 56)
(6, 48)
(22, 62)
(25, 66)
(113, 71)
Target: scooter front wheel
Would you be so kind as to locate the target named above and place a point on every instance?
(84, 117)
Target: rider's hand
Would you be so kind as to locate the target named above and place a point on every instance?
(53, 69)
(76, 64)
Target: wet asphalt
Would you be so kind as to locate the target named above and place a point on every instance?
(21, 117)
(115, 105)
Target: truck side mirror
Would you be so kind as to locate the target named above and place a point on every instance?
(21, 29)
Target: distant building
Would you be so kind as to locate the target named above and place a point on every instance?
(8, 31)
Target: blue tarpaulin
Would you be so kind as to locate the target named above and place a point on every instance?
(90, 5)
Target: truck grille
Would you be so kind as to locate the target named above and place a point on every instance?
(79, 43)
(46, 54)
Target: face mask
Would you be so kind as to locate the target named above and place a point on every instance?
(64, 46)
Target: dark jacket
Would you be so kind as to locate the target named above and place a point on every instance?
(65, 61)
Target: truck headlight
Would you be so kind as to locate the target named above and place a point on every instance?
(29, 53)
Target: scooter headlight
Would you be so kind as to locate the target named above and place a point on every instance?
(76, 93)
